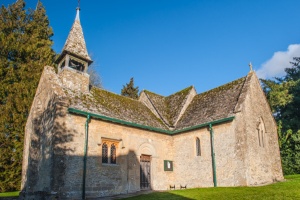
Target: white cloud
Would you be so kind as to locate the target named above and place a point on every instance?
(279, 61)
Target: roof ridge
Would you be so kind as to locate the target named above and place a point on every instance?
(189, 87)
(113, 105)
(243, 91)
(185, 104)
(165, 108)
(147, 91)
(222, 86)
(210, 105)
(97, 88)
(157, 110)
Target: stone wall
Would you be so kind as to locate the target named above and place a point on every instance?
(55, 139)
(74, 80)
(197, 171)
(38, 155)
(110, 179)
(263, 163)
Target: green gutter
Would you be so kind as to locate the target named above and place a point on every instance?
(85, 154)
(213, 154)
(96, 116)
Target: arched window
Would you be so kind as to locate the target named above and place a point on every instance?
(113, 156)
(104, 153)
(198, 147)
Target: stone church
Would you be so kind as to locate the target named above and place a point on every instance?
(83, 142)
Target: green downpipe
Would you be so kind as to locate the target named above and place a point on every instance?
(85, 154)
(213, 154)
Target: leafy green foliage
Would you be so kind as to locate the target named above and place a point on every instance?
(129, 90)
(25, 49)
(283, 95)
(277, 93)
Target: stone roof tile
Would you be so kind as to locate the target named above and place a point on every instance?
(212, 105)
(169, 107)
(111, 105)
(75, 42)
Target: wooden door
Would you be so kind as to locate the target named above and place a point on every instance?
(145, 172)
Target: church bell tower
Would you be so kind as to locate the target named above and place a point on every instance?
(74, 60)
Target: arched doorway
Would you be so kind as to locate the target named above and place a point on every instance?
(145, 172)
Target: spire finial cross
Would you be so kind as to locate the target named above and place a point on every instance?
(250, 65)
(78, 6)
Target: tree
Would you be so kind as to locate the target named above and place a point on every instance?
(25, 50)
(283, 95)
(129, 90)
(95, 78)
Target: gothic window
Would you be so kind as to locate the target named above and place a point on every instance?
(109, 150)
(104, 153)
(113, 156)
(198, 147)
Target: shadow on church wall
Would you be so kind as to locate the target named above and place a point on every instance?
(46, 160)
(54, 172)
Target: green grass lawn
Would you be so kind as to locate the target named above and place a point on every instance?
(289, 189)
(10, 194)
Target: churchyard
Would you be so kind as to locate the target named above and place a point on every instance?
(289, 189)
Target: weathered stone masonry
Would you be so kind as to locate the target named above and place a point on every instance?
(156, 128)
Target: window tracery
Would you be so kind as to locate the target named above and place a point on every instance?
(113, 156)
(104, 153)
(109, 150)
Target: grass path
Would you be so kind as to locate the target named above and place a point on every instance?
(287, 190)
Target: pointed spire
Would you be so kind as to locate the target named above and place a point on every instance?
(75, 43)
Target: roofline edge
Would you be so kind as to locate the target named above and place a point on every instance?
(118, 121)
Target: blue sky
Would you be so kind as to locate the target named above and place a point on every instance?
(168, 45)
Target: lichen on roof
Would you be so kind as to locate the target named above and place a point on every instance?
(169, 107)
(175, 103)
(75, 42)
(218, 103)
(214, 104)
(111, 105)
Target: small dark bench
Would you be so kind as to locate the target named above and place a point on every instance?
(183, 187)
(172, 187)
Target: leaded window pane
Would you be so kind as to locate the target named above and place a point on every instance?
(113, 156)
(104, 153)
